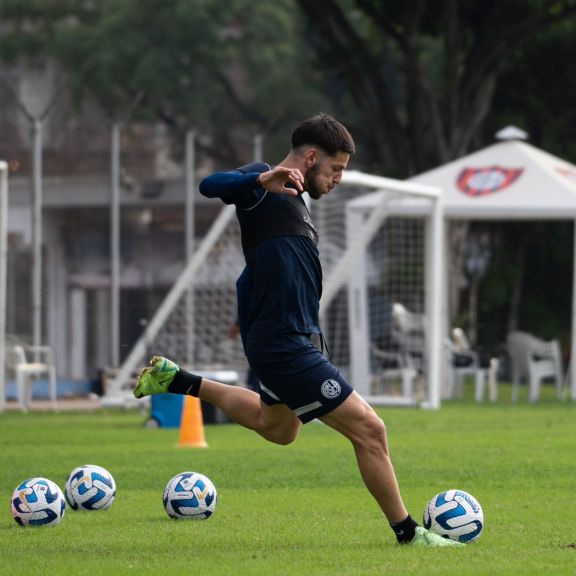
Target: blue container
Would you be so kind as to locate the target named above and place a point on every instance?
(166, 411)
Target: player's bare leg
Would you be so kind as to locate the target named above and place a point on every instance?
(356, 420)
(276, 423)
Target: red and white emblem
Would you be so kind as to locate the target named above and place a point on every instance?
(482, 181)
(568, 172)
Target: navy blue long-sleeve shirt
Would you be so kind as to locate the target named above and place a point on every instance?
(279, 289)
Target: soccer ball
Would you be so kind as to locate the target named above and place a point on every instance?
(38, 502)
(90, 487)
(455, 514)
(190, 495)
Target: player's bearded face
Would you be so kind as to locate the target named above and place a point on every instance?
(313, 184)
(325, 174)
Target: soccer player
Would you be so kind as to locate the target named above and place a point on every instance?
(278, 303)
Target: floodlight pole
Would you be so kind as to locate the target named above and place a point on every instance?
(36, 120)
(37, 232)
(190, 191)
(3, 276)
(115, 246)
(115, 151)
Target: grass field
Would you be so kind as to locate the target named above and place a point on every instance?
(299, 509)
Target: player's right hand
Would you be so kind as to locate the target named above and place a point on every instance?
(282, 180)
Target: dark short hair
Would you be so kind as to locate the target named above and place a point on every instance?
(324, 132)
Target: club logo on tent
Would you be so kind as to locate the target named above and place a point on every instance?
(482, 181)
(568, 172)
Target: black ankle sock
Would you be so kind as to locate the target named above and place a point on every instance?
(185, 383)
(405, 530)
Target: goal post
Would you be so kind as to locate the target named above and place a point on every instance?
(392, 254)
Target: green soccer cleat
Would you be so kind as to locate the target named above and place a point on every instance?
(156, 378)
(424, 537)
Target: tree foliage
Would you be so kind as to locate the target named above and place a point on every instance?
(422, 74)
(227, 68)
(421, 82)
(537, 91)
(432, 80)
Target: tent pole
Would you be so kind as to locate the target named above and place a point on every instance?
(3, 275)
(571, 367)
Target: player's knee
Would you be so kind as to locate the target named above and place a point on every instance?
(373, 433)
(282, 436)
(284, 440)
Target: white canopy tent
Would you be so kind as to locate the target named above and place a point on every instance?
(509, 180)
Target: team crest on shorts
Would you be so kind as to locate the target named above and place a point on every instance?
(330, 389)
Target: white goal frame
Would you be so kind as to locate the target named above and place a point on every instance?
(3, 277)
(347, 272)
(362, 223)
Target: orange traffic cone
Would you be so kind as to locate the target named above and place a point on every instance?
(192, 424)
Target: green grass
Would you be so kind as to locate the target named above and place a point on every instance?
(299, 509)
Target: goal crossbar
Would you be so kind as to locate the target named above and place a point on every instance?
(357, 178)
(369, 228)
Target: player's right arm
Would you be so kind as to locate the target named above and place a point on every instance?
(246, 189)
(232, 187)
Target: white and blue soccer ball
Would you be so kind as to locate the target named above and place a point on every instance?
(90, 487)
(38, 502)
(456, 515)
(190, 495)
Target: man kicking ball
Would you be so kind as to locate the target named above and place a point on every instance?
(278, 306)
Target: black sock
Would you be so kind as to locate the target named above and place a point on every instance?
(405, 530)
(185, 383)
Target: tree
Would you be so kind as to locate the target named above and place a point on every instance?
(228, 68)
(422, 74)
(431, 80)
(538, 89)
(220, 67)
(534, 260)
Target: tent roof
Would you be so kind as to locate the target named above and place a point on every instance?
(507, 180)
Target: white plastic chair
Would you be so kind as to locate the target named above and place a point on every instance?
(534, 359)
(463, 361)
(26, 371)
(392, 367)
(409, 334)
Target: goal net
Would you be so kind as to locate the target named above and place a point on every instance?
(380, 307)
(195, 323)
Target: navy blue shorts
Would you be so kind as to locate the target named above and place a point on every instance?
(294, 372)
